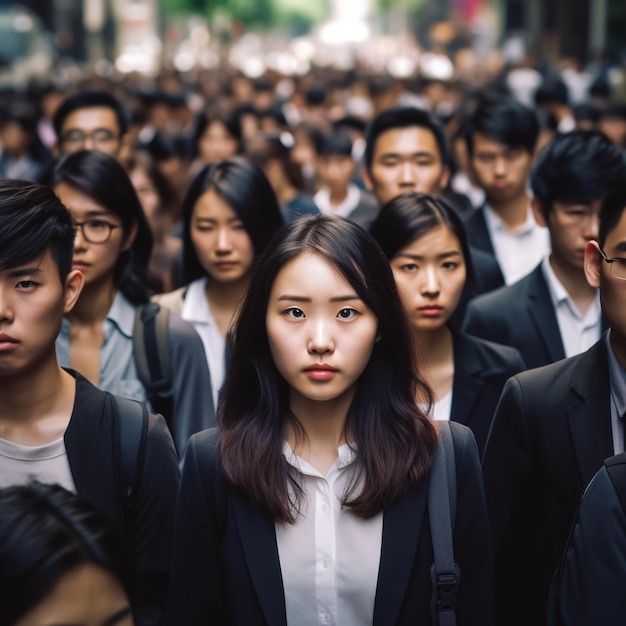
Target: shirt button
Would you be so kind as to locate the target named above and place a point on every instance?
(324, 508)
(326, 618)
(326, 562)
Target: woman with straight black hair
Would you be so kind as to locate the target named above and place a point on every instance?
(309, 506)
(60, 561)
(230, 214)
(424, 240)
(112, 249)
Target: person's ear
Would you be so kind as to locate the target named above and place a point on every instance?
(593, 260)
(445, 178)
(537, 208)
(74, 284)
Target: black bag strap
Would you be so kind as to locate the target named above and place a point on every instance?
(151, 348)
(445, 573)
(132, 419)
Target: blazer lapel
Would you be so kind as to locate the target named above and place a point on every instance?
(258, 540)
(590, 418)
(542, 313)
(477, 232)
(403, 522)
(466, 370)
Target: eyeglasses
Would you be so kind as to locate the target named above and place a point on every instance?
(96, 231)
(75, 139)
(617, 265)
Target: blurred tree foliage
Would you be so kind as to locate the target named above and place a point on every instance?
(292, 14)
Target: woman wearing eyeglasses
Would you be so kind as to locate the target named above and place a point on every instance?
(112, 249)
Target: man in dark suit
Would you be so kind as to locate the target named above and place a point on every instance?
(407, 150)
(551, 432)
(501, 135)
(553, 312)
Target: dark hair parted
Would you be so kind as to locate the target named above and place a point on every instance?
(613, 207)
(411, 216)
(47, 532)
(577, 168)
(245, 188)
(405, 117)
(393, 438)
(104, 180)
(90, 100)
(33, 220)
(502, 119)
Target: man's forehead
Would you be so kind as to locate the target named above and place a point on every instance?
(101, 116)
(407, 139)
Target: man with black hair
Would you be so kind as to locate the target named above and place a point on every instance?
(90, 120)
(338, 194)
(407, 150)
(501, 135)
(551, 432)
(553, 313)
(57, 427)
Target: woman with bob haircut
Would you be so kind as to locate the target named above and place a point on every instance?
(309, 505)
(112, 249)
(230, 214)
(424, 240)
(60, 561)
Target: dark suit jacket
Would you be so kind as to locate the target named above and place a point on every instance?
(480, 370)
(550, 434)
(520, 315)
(477, 233)
(226, 567)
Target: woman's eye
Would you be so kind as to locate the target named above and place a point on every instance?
(450, 265)
(294, 312)
(25, 284)
(346, 314)
(409, 267)
(97, 224)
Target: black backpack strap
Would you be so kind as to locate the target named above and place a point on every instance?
(445, 573)
(151, 348)
(132, 431)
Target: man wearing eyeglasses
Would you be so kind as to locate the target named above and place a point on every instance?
(553, 313)
(551, 432)
(90, 120)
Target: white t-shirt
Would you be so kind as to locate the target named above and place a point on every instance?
(48, 464)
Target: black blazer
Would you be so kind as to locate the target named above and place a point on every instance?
(480, 370)
(477, 233)
(550, 435)
(226, 567)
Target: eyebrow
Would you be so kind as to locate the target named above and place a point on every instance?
(24, 271)
(621, 247)
(294, 298)
(417, 257)
(214, 221)
(418, 153)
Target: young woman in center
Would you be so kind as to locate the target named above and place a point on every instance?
(425, 242)
(309, 506)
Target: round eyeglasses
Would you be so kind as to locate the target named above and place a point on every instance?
(96, 230)
(617, 265)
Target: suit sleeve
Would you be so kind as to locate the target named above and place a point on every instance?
(154, 519)
(193, 408)
(594, 565)
(196, 588)
(472, 544)
(476, 324)
(511, 488)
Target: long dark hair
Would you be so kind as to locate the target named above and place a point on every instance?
(392, 436)
(409, 217)
(102, 178)
(46, 532)
(247, 191)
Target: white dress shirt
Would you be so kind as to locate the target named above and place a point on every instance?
(197, 312)
(329, 558)
(578, 332)
(520, 251)
(353, 197)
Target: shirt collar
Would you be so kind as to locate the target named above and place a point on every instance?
(195, 306)
(617, 377)
(346, 455)
(496, 224)
(122, 314)
(322, 200)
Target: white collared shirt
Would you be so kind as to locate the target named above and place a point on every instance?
(197, 312)
(578, 332)
(517, 252)
(322, 200)
(329, 558)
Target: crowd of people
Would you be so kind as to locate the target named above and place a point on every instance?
(304, 286)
